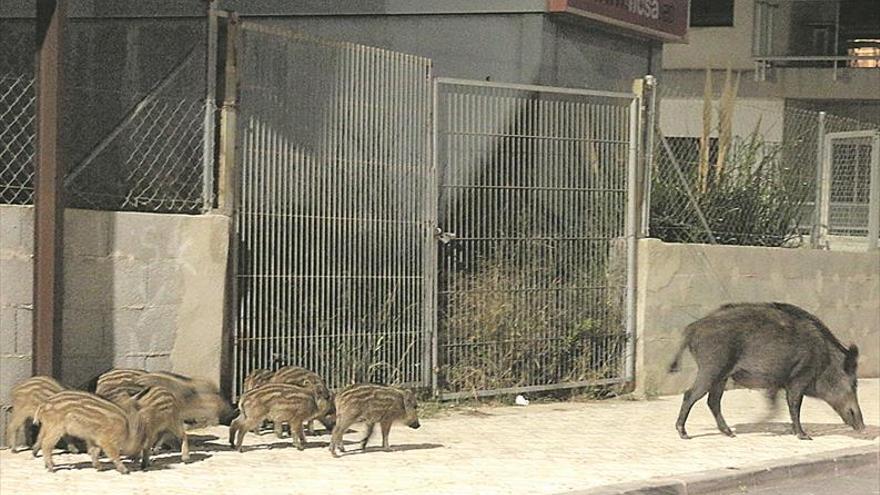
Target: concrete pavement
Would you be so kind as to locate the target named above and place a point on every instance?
(540, 448)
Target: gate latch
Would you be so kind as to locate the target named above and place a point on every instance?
(444, 237)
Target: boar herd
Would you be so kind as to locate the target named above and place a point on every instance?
(131, 412)
(772, 346)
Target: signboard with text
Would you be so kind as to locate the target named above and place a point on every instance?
(662, 19)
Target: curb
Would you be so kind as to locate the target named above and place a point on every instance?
(718, 480)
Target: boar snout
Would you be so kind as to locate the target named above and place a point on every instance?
(415, 425)
(855, 419)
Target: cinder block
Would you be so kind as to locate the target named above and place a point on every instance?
(129, 283)
(88, 283)
(164, 283)
(158, 363)
(145, 236)
(10, 228)
(13, 369)
(24, 330)
(83, 333)
(128, 361)
(7, 330)
(16, 282)
(150, 330)
(87, 233)
(27, 230)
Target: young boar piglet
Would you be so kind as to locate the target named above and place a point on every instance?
(372, 404)
(276, 402)
(102, 424)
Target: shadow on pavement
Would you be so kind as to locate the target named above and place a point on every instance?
(393, 448)
(156, 463)
(813, 429)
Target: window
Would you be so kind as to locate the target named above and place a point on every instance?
(706, 13)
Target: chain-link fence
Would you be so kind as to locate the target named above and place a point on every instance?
(133, 117)
(745, 172)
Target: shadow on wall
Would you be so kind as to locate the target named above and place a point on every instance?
(123, 286)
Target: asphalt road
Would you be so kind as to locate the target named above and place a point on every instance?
(860, 481)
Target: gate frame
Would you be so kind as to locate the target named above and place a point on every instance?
(825, 178)
(642, 91)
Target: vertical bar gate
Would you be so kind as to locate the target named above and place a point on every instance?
(335, 164)
(538, 225)
(849, 185)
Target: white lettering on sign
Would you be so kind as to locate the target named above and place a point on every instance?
(644, 8)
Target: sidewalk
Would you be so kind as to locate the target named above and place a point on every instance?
(546, 448)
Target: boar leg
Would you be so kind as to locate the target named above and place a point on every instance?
(311, 427)
(386, 428)
(113, 453)
(367, 435)
(696, 392)
(714, 400)
(278, 428)
(296, 427)
(71, 447)
(233, 429)
(38, 443)
(795, 397)
(184, 442)
(94, 453)
(341, 427)
(145, 458)
(49, 439)
(16, 422)
(241, 431)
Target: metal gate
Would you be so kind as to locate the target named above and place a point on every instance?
(850, 185)
(335, 158)
(537, 243)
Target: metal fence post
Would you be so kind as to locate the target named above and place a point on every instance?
(228, 118)
(874, 197)
(210, 109)
(227, 197)
(649, 97)
(48, 192)
(817, 236)
(431, 267)
(632, 218)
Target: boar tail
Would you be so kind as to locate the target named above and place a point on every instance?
(675, 366)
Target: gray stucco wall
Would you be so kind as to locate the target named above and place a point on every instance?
(680, 283)
(520, 48)
(141, 290)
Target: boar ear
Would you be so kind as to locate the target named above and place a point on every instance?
(851, 360)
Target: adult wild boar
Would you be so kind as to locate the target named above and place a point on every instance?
(774, 346)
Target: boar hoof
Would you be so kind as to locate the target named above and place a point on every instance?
(728, 432)
(804, 436)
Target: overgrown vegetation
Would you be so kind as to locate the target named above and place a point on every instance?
(501, 330)
(745, 190)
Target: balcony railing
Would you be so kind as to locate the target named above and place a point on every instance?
(763, 64)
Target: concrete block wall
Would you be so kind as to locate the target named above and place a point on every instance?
(680, 283)
(140, 290)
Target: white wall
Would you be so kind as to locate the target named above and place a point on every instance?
(681, 117)
(716, 47)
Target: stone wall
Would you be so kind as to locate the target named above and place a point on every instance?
(140, 290)
(680, 283)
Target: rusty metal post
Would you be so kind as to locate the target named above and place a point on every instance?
(227, 182)
(49, 192)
